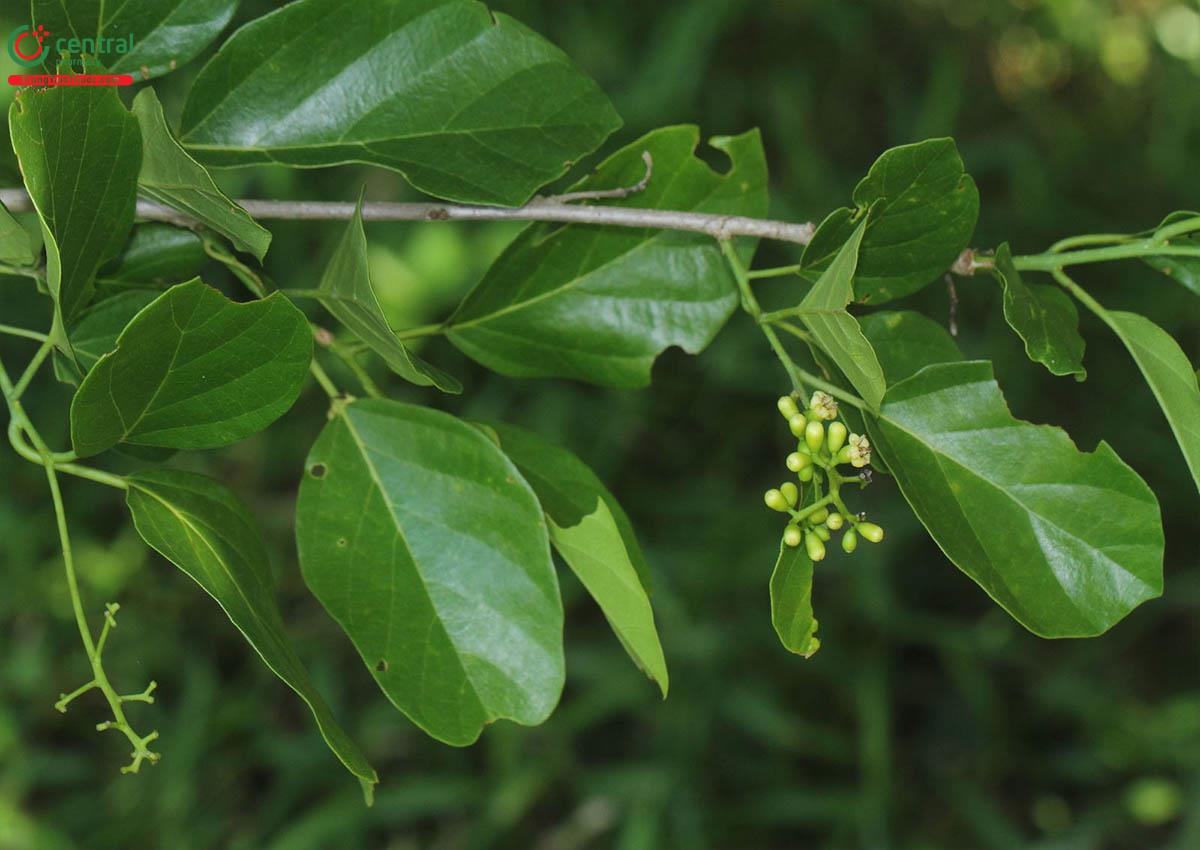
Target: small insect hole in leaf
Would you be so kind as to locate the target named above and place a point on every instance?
(317, 470)
(342, 542)
(381, 666)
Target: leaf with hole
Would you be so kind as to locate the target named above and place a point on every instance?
(426, 545)
(823, 311)
(923, 208)
(1067, 542)
(201, 527)
(194, 370)
(468, 104)
(600, 304)
(170, 176)
(346, 291)
(1044, 317)
(147, 38)
(593, 535)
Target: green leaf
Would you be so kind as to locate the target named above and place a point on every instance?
(80, 152)
(823, 311)
(906, 342)
(202, 528)
(1186, 270)
(170, 176)
(1170, 375)
(594, 536)
(923, 211)
(600, 304)
(15, 247)
(422, 540)
(467, 104)
(194, 370)
(1044, 316)
(348, 294)
(791, 601)
(150, 37)
(1067, 542)
(594, 552)
(95, 332)
(155, 254)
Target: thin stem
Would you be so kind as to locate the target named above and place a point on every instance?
(1065, 281)
(751, 306)
(797, 516)
(22, 332)
(323, 379)
(31, 370)
(1049, 262)
(1088, 239)
(799, 334)
(540, 209)
(777, 271)
(22, 271)
(1186, 225)
(775, 316)
(421, 331)
(350, 361)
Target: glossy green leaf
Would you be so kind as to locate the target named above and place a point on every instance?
(194, 370)
(906, 341)
(165, 33)
(600, 304)
(347, 293)
(95, 332)
(80, 152)
(1067, 542)
(1170, 375)
(424, 542)
(1186, 270)
(594, 536)
(468, 104)
(791, 601)
(1044, 317)
(823, 311)
(202, 528)
(15, 247)
(923, 210)
(155, 254)
(170, 176)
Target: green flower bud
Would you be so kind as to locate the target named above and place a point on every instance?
(849, 541)
(792, 536)
(818, 516)
(814, 436)
(806, 474)
(797, 424)
(815, 547)
(775, 500)
(797, 461)
(821, 531)
(789, 491)
(843, 455)
(834, 521)
(787, 406)
(836, 437)
(822, 405)
(870, 531)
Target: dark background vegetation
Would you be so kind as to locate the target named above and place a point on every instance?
(929, 720)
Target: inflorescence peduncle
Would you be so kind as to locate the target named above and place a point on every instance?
(815, 513)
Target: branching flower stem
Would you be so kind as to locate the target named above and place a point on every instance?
(21, 427)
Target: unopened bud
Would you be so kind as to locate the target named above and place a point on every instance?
(815, 546)
(797, 425)
(849, 541)
(787, 406)
(797, 461)
(834, 521)
(836, 437)
(775, 500)
(792, 536)
(818, 516)
(822, 532)
(789, 491)
(806, 474)
(870, 531)
(814, 436)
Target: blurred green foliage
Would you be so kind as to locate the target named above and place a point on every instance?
(929, 720)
